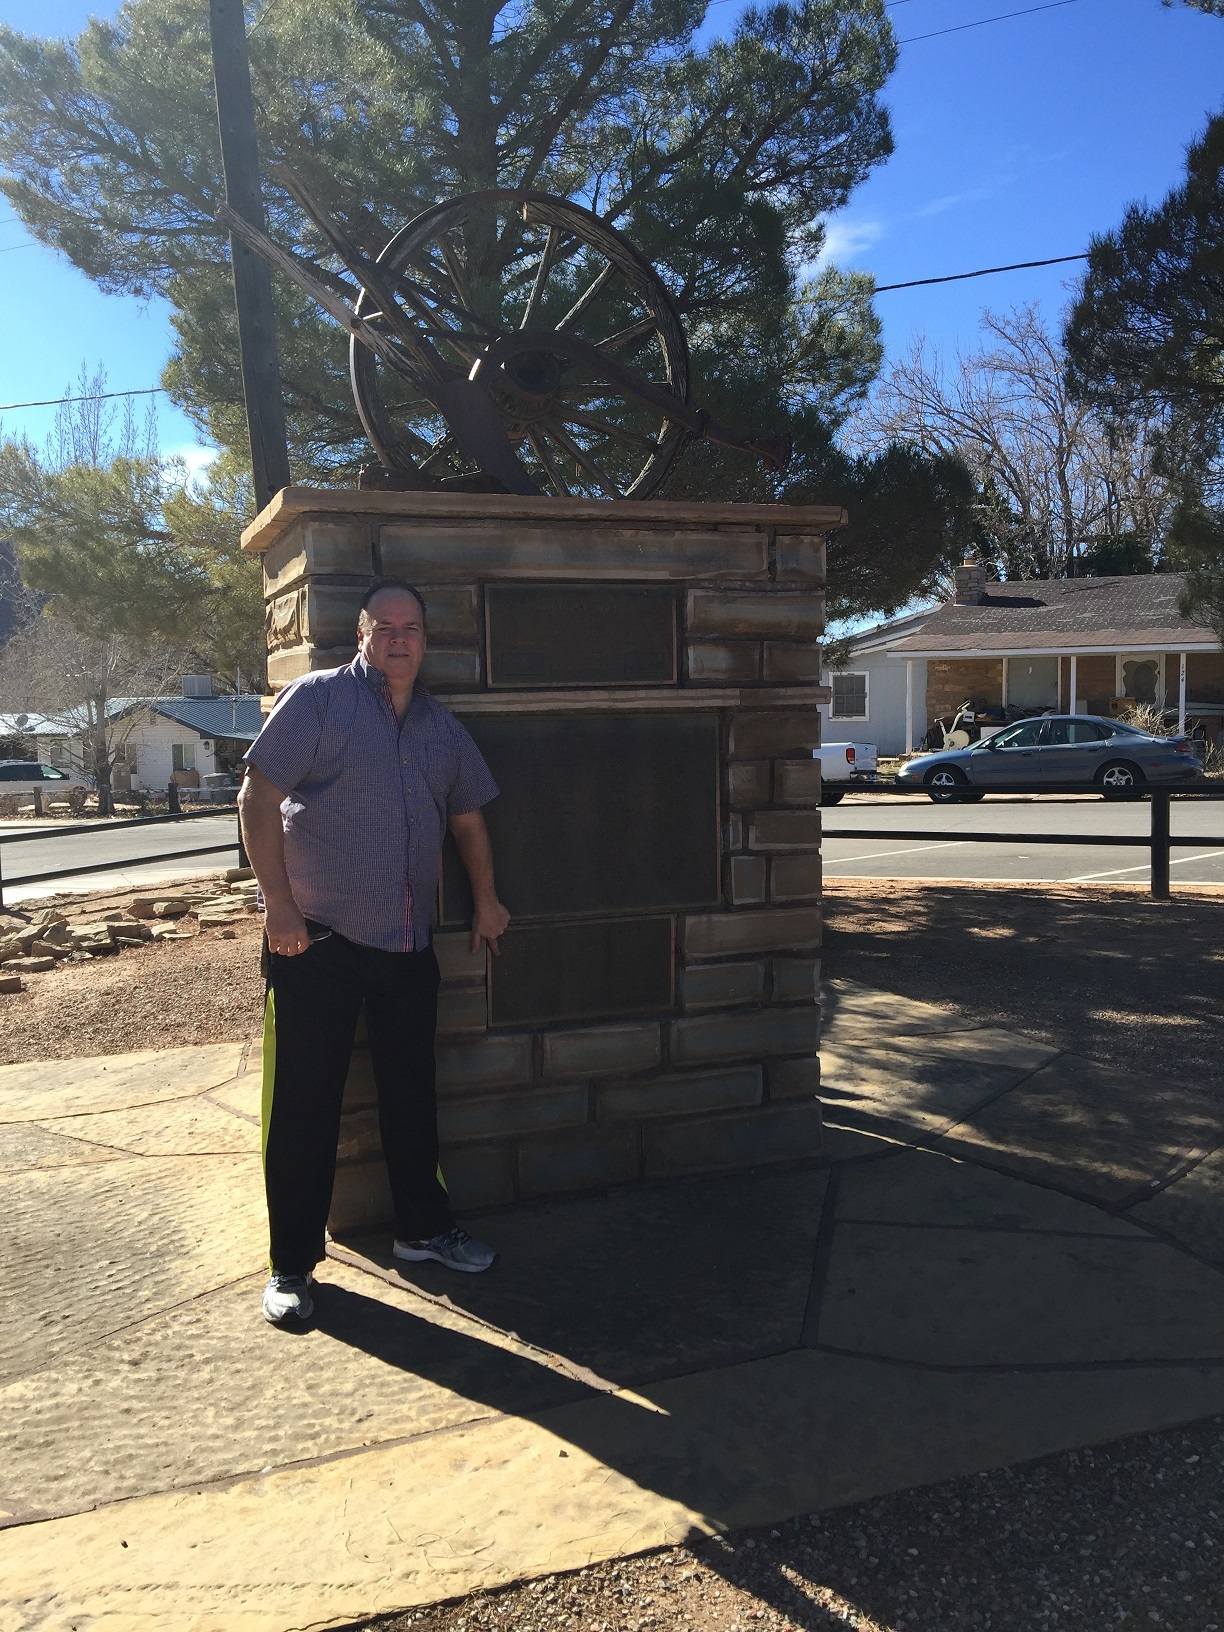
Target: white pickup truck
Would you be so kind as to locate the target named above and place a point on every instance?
(842, 764)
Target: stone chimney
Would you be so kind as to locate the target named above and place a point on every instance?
(970, 583)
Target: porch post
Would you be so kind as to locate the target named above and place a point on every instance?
(1003, 691)
(1181, 692)
(909, 704)
(1074, 709)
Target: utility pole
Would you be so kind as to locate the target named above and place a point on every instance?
(261, 381)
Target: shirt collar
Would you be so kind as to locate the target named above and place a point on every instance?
(377, 680)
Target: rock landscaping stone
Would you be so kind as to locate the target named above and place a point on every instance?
(10, 947)
(142, 907)
(235, 875)
(131, 934)
(56, 933)
(51, 949)
(33, 966)
(10, 983)
(174, 907)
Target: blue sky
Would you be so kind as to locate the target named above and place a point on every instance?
(1014, 141)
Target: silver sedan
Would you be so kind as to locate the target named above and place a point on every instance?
(1054, 751)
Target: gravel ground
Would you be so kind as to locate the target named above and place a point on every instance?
(1103, 971)
(162, 994)
(1129, 1534)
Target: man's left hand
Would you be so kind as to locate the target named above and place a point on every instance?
(488, 924)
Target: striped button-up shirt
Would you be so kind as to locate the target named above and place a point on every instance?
(367, 800)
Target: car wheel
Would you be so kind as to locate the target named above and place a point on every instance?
(1120, 779)
(832, 796)
(945, 783)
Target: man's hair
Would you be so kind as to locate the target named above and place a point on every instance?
(379, 584)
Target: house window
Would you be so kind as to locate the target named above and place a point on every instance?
(849, 697)
(183, 756)
(57, 752)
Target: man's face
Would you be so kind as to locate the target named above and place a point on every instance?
(392, 635)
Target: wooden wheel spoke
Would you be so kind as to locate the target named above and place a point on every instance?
(627, 337)
(582, 458)
(638, 439)
(548, 255)
(586, 297)
(540, 446)
(455, 270)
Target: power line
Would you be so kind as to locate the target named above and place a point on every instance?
(97, 396)
(985, 272)
(1053, 5)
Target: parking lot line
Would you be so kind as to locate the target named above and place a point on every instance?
(872, 855)
(1174, 861)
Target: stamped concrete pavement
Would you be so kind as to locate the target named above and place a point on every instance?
(1004, 1251)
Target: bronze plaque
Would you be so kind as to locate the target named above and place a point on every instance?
(581, 634)
(594, 970)
(596, 814)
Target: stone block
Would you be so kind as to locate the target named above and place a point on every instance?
(795, 980)
(781, 929)
(747, 875)
(462, 1009)
(747, 613)
(797, 782)
(330, 612)
(783, 731)
(680, 1095)
(733, 831)
(33, 966)
(478, 1175)
(167, 907)
(492, 1062)
(792, 662)
(296, 661)
(706, 986)
(735, 1139)
(744, 1036)
(451, 614)
(799, 558)
(578, 1159)
(794, 878)
(451, 668)
(439, 551)
(785, 830)
(794, 1079)
(361, 1197)
(341, 547)
(10, 983)
(359, 1139)
(456, 960)
(749, 784)
(601, 1049)
(722, 662)
(499, 1115)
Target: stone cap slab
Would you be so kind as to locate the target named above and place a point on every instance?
(292, 502)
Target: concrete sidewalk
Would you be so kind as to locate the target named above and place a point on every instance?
(1005, 1251)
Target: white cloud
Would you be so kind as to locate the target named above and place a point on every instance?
(196, 458)
(845, 240)
(950, 201)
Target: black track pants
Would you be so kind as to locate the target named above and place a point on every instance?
(310, 1016)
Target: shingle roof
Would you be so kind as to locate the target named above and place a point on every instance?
(1061, 613)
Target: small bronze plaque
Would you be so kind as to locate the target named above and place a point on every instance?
(596, 814)
(581, 635)
(596, 970)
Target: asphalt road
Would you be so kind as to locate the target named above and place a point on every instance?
(100, 844)
(944, 856)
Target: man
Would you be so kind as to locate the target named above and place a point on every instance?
(349, 790)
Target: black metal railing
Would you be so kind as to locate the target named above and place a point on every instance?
(98, 828)
(1158, 843)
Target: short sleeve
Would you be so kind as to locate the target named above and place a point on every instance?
(473, 785)
(284, 751)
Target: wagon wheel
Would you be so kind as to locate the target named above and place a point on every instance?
(498, 284)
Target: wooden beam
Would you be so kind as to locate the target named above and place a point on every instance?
(261, 380)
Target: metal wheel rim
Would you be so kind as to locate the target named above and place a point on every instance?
(428, 228)
(1118, 777)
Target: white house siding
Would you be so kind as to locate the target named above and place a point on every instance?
(886, 692)
(152, 741)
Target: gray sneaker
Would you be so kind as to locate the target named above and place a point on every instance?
(287, 1297)
(454, 1247)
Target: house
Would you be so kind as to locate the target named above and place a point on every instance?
(1080, 645)
(184, 738)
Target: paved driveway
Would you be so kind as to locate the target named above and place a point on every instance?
(945, 856)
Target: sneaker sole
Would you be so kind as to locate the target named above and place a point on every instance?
(413, 1256)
